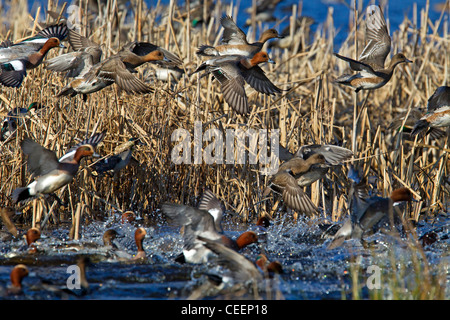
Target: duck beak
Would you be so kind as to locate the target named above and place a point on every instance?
(96, 155)
(167, 60)
(271, 61)
(409, 61)
(61, 45)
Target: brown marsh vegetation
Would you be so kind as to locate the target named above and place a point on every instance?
(312, 109)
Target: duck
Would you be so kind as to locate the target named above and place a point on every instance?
(269, 268)
(108, 238)
(284, 182)
(17, 58)
(107, 72)
(30, 237)
(201, 222)
(13, 118)
(93, 140)
(33, 234)
(366, 213)
(52, 173)
(118, 161)
(117, 255)
(14, 71)
(136, 53)
(234, 41)
(214, 207)
(241, 269)
(128, 217)
(139, 236)
(15, 51)
(399, 124)
(77, 63)
(18, 273)
(371, 72)
(77, 284)
(334, 156)
(233, 71)
(437, 116)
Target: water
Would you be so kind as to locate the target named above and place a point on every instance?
(310, 270)
(395, 12)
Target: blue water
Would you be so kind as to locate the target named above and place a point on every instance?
(395, 12)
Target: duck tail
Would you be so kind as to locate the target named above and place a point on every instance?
(201, 67)
(207, 51)
(436, 133)
(344, 79)
(20, 194)
(59, 31)
(420, 129)
(68, 90)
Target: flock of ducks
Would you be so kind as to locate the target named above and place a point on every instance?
(233, 63)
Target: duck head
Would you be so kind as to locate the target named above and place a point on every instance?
(19, 272)
(139, 236)
(32, 235)
(261, 57)
(399, 58)
(246, 239)
(52, 43)
(109, 236)
(85, 150)
(269, 34)
(156, 55)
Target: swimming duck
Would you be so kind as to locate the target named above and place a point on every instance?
(366, 213)
(108, 243)
(139, 237)
(233, 71)
(202, 223)
(18, 273)
(372, 73)
(269, 268)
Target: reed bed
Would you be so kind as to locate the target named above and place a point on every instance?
(312, 110)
